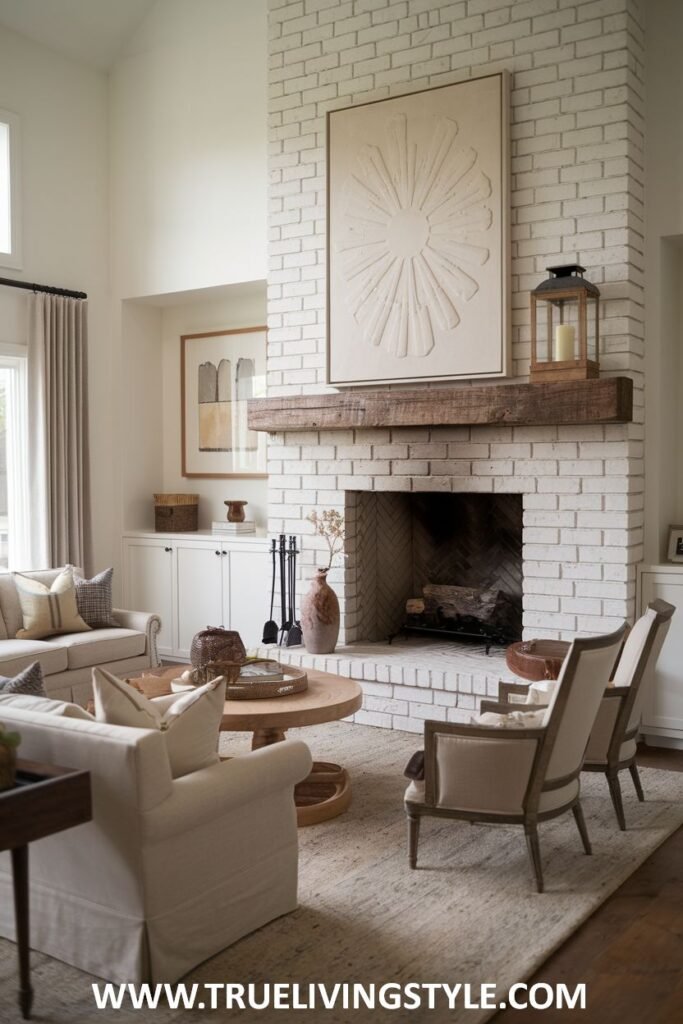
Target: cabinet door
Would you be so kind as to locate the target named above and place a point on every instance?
(148, 584)
(664, 706)
(198, 589)
(246, 593)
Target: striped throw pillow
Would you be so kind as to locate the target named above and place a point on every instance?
(48, 611)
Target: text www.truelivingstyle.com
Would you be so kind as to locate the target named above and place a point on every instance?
(344, 995)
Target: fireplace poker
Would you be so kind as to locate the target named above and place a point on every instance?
(294, 636)
(283, 590)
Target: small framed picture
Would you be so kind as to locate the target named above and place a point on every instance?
(219, 372)
(675, 553)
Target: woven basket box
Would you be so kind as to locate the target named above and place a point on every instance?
(176, 513)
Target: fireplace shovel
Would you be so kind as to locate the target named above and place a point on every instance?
(270, 629)
(294, 636)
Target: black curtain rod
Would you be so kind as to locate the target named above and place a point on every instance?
(11, 283)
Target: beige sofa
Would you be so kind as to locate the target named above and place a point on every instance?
(169, 871)
(67, 659)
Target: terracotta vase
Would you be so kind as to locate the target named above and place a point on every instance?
(320, 616)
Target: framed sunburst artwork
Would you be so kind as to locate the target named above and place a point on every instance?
(417, 241)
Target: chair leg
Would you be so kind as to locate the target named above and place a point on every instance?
(413, 838)
(531, 833)
(636, 782)
(615, 793)
(581, 825)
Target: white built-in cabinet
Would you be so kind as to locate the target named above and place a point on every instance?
(195, 580)
(663, 712)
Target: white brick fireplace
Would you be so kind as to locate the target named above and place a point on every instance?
(576, 195)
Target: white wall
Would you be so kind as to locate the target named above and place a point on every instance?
(139, 432)
(150, 423)
(244, 307)
(664, 274)
(188, 213)
(188, 168)
(63, 110)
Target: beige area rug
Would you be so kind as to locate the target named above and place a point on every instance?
(468, 914)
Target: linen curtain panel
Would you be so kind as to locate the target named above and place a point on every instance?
(18, 498)
(58, 429)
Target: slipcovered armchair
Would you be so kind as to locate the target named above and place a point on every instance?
(612, 744)
(519, 775)
(170, 870)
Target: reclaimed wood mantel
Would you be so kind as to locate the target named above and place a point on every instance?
(606, 400)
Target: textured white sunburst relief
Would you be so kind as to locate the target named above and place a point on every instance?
(415, 220)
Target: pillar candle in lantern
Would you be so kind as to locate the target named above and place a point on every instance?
(564, 343)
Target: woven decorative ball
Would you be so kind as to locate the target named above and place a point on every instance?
(215, 644)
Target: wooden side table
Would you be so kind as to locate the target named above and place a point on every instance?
(44, 800)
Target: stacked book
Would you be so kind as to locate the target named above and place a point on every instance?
(223, 526)
(262, 672)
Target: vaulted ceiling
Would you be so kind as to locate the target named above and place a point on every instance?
(91, 31)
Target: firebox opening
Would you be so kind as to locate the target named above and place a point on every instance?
(445, 565)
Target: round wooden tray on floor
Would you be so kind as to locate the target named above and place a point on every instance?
(323, 795)
(536, 660)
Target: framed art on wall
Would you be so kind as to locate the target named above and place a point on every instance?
(417, 240)
(219, 372)
(675, 549)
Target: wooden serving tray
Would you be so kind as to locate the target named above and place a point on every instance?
(295, 681)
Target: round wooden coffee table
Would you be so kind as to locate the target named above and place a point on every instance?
(327, 790)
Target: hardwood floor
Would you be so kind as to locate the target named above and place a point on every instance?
(630, 952)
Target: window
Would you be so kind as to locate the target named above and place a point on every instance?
(10, 233)
(14, 522)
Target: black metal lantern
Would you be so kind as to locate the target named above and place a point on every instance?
(565, 335)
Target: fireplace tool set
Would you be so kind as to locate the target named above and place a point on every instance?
(283, 556)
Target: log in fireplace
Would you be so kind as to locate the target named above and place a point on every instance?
(486, 615)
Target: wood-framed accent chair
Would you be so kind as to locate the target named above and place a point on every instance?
(612, 744)
(518, 775)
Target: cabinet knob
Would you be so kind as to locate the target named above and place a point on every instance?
(168, 549)
(216, 552)
(224, 552)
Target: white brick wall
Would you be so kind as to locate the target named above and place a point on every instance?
(577, 194)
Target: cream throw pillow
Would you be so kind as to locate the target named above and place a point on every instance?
(190, 724)
(513, 720)
(47, 611)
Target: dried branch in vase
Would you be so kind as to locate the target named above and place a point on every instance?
(329, 524)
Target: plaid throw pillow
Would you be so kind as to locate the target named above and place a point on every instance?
(94, 600)
(30, 681)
